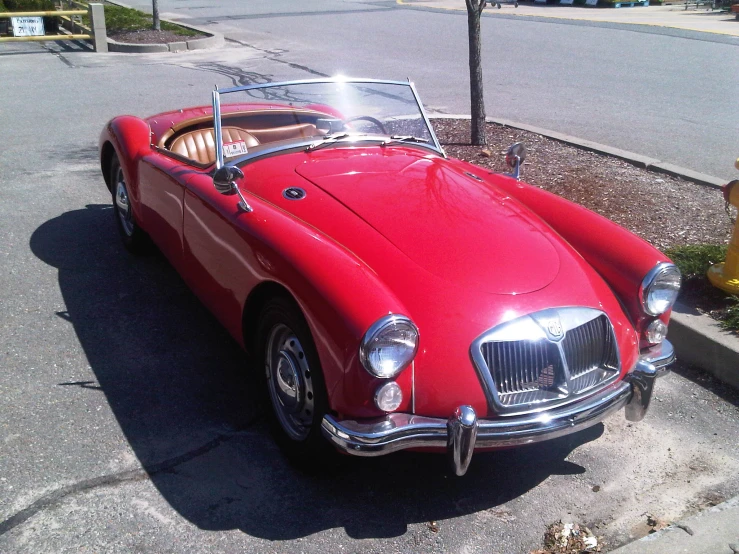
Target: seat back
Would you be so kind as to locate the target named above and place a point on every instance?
(199, 145)
(273, 134)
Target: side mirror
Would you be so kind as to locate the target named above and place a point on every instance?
(515, 157)
(224, 179)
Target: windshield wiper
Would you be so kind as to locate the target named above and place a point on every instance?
(405, 138)
(326, 141)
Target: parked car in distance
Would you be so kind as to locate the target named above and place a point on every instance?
(395, 298)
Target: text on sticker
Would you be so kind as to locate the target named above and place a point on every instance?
(231, 149)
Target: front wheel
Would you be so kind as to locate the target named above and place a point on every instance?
(134, 238)
(295, 384)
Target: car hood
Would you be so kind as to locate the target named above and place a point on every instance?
(447, 221)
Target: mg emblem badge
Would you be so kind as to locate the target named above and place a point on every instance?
(555, 328)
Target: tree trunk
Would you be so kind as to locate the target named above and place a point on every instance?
(155, 14)
(477, 100)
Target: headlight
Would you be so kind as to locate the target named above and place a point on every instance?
(389, 346)
(659, 288)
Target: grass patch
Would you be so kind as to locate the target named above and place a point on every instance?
(731, 322)
(693, 261)
(125, 20)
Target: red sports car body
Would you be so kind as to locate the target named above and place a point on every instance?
(397, 298)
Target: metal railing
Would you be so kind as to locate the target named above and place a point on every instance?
(71, 22)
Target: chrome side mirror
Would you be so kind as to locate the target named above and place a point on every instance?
(224, 181)
(225, 177)
(515, 157)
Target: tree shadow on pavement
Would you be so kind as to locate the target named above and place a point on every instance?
(175, 381)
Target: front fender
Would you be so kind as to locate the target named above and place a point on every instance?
(619, 256)
(341, 297)
(230, 253)
(130, 138)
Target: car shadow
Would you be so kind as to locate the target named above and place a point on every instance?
(184, 396)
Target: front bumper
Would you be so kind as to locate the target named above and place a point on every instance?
(462, 432)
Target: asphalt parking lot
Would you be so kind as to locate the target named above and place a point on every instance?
(129, 421)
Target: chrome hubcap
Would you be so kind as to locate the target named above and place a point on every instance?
(290, 383)
(122, 205)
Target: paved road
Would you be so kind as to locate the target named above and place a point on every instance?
(664, 93)
(128, 422)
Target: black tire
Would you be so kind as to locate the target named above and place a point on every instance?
(295, 386)
(134, 238)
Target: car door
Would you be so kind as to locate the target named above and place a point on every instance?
(162, 188)
(220, 266)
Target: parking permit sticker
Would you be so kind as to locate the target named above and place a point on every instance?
(231, 149)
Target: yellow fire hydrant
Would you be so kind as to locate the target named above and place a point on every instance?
(726, 274)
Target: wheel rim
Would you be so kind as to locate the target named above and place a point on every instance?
(290, 382)
(122, 204)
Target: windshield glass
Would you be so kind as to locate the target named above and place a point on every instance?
(316, 114)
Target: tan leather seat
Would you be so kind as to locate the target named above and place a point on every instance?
(200, 147)
(273, 134)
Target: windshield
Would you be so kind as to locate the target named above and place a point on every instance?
(315, 114)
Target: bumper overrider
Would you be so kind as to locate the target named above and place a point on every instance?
(462, 432)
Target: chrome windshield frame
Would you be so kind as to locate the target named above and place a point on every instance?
(218, 137)
(436, 146)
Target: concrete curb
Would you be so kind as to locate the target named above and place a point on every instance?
(638, 160)
(698, 339)
(711, 531)
(211, 40)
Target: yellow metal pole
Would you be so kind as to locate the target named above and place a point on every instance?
(43, 14)
(45, 37)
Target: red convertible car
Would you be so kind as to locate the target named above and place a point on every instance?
(397, 298)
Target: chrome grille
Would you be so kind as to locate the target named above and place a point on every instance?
(591, 354)
(524, 371)
(547, 357)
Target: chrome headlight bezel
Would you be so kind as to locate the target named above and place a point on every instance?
(387, 324)
(659, 273)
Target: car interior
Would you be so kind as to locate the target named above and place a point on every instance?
(193, 139)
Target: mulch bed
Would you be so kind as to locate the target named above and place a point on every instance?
(150, 37)
(666, 211)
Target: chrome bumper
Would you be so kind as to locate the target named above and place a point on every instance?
(463, 431)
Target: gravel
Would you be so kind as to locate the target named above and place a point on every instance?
(666, 211)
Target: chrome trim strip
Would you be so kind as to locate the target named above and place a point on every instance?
(218, 137)
(426, 118)
(399, 431)
(329, 80)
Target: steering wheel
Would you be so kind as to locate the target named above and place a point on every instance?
(369, 118)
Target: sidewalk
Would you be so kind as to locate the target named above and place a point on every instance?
(674, 16)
